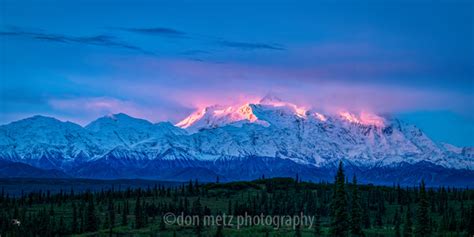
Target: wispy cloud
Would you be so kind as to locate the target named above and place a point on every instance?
(84, 109)
(195, 52)
(174, 33)
(98, 40)
(157, 31)
(249, 46)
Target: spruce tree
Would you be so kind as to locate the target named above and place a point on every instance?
(378, 218)
(81, 215)
(92, 223)
(111, 216)
(106, 222)
(62, 227)
(139, 220)
(298, 230)
(219, 231)
(470, 229)
(197, 210)
(124, 217)
(366, 217)
(317, 224)
(356, 212)
(74, 219)
(190, 187)
(407, 227)
(229, 207)
(339, 220)
(397, 220)
(423, 227)
(162, 224)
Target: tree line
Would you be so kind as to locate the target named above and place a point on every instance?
(340, 209)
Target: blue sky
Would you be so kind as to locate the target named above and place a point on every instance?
(161, 60)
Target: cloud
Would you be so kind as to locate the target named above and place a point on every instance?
(365, 85)
(197, 84)
(195, 52)
(97, 40)
(249, 46)
(113, 42)
(102, 105)
(85, 109)
(173, 33)
(157, 31)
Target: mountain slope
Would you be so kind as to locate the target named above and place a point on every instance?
(21, 170)
(243, 141)
(122, 130)
(45, 142)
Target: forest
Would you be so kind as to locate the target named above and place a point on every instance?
(341, 208)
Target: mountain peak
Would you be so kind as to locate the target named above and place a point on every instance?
(119, 116)
(119, 119)
(363, 118)
(41, 120)
(271, 110)
(217, 115)
(270, 99)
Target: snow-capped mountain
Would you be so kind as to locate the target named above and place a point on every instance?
(245, 141)
(122, 130)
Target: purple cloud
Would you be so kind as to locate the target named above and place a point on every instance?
(173, 88)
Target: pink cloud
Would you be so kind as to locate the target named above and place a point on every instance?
(172, 88)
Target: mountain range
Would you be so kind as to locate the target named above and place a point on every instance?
(269, 138)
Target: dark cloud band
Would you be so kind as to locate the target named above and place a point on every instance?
(249, 46)
(98, 40)
(157, 31)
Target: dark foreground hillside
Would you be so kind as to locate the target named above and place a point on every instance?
(340, 209)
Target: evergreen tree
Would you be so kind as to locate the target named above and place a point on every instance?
(74, 219)
(51, 211)
(92, 223)
(366, 217)
(197, 210)
(162, 224)
(397, 220)
(422, 227)
(111, 216)
(378, 218)
(356, 212)
(124, 217)
(190, 187)
(139, 218)
(61, 227)
(196, 187)
(339, 221)
(219, 231)
(317, 224)
(298, 230)
(106, 222)
(408, 226)
(229, 207)
(470, 229)
(81, 215)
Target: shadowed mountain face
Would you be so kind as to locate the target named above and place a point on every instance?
(271, 138)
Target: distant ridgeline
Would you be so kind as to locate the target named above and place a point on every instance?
(338, 209)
